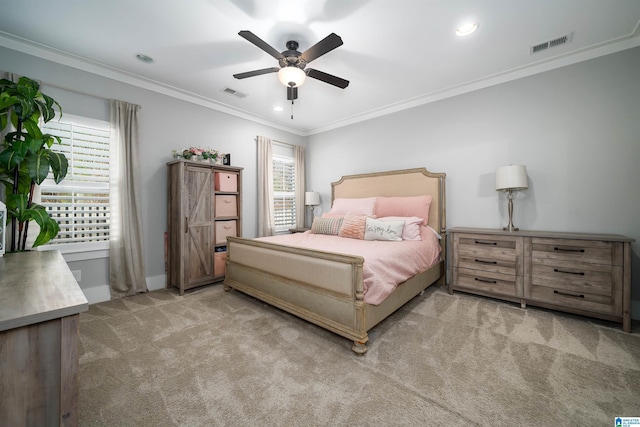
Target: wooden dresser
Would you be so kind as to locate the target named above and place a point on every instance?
(587, 274)
(39, 314)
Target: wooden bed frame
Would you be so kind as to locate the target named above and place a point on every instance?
(327, 288)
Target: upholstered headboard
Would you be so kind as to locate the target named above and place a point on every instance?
(407, 182)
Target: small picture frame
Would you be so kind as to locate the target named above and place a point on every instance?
(226, 159)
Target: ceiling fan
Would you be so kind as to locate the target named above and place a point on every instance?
(292, 72)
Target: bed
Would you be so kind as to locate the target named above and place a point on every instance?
(328, 288)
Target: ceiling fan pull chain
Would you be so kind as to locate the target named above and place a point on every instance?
(292, 109)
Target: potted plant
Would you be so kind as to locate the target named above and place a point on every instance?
(26, 158)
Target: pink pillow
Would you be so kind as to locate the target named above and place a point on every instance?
(353, 226)
(330, 215)
(417, 206)
(364, 206)
(412, 226)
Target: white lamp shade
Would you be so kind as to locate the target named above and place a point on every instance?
(292, 75)
(512, 177)
(311, 198)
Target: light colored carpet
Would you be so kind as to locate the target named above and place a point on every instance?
(222, 358)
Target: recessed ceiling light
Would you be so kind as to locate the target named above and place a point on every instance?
(144, 58)
(278, 108)
(466, 29)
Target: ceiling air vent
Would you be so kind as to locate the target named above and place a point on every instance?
(234, 92)
(558, 41)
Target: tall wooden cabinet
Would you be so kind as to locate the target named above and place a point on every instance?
(204, 206)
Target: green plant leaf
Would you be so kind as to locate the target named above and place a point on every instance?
(17, 206)
(32, 128)
(59, 165)
(49, 228)
(10, 159)
(38, 165)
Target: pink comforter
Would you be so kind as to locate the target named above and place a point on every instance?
(386, 265)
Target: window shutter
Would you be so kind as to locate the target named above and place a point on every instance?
(80, 203)
(284, 200)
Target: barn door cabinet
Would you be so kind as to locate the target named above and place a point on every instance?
(204, 206)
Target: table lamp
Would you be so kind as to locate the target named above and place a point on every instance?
(312, 199)
(510, 178)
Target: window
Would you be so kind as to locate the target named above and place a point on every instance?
(284, 192)
(80, 203)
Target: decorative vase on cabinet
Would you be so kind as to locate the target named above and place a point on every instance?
(199, 213)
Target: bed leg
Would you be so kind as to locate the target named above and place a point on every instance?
(359, 348)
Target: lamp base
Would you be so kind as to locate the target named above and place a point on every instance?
(510, 228)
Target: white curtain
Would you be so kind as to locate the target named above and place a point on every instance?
(298, 159)
(126, 249)
(266, 226)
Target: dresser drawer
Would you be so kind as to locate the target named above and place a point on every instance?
(608, 304)
(495, 283)
(589, 251)
(488, 264)
(600, 279)
(488, 246)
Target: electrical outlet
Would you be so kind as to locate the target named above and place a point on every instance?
(77, 274)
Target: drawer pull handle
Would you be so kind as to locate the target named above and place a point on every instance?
(580, 273)
(485, 280)
(481, 261)
(568, 250)
(480, 242)
(567, 294)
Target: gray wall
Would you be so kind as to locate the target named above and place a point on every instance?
(577, 130)
(166, 123)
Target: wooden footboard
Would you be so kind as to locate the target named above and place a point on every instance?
(321, 287)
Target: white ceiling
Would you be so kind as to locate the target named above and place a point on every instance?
(396, 54)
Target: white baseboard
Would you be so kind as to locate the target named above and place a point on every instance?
(96, 294)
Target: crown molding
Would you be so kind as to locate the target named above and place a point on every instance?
(46, 52)
(585, 54)
(61, 57)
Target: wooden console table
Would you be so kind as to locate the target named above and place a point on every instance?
(39, 314)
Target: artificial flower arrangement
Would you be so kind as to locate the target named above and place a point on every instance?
(198, 153)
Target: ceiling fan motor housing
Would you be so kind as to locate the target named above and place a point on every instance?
(292, 57)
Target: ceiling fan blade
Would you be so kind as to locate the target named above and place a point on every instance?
(256, 72)
(260, 43)
(325, 45)
(327, 78)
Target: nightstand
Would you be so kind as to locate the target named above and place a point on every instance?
(580, 273)
(299, 230)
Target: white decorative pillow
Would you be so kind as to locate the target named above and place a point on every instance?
(412, 226)
(383, 230)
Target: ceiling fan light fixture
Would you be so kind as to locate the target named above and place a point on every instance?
(292, 74)
(466, 29)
